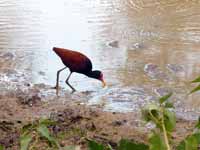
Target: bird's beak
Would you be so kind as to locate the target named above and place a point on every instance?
(104, 83)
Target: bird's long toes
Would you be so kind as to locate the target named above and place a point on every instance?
(73, 91)
(54, 87)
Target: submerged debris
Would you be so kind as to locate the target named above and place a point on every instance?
(42, 73)
(136, 46)
(7, 55)
(153, 71)
(175, 68)
(114, 44)
(163, 91)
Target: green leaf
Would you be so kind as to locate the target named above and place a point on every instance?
(164, 98)
(110, 147)
(92, 145)
(195, 89)
(197, 136)
(196, 80)
(44, 131)
(1, 147)
(169, 105)
(156, 142)
(46, 122)
(169, 120)
(25, 141)
(152, 113)
(150, 110)
(181, 146)
(128, 145)
(145, 115)
(190, 143)
(69, 148)
(198, 124)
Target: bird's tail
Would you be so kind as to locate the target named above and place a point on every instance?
(55, 49)
(58, 51)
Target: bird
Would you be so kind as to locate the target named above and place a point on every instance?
(76, 62)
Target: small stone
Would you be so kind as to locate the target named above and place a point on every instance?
(91, 126)
(7, 55)
(41, 73)
(175, 68)
(136, 46)
(153, 71)
(118, 122)
(29, 99)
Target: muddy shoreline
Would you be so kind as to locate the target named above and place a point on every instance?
(20, 107)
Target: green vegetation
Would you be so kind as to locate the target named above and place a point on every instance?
(123, 145)
(164, 119)
(36, 133)
(1, 147)
(162, 115)
(197, 88)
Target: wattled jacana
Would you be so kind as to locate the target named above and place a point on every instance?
(76, 62)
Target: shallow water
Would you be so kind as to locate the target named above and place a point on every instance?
(145, 48)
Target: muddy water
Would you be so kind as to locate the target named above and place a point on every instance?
(146, 48)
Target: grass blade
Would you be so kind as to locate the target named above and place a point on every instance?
(195, 89)
(1, 147)
(92, 145)
(196, 80)
(169, 120)
(44, 131)
(156, 142)
(70, 148)
(164, 98)
(128, 145)
(25, 141)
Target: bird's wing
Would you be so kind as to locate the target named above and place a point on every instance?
(77, 62)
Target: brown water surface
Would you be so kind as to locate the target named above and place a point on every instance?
(145, 48)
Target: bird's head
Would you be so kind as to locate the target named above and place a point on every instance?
(99, 76)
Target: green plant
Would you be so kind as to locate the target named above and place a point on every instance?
(123, 145)
(197, 88)
(33, 132)
(1, 147)
(191, 142)
(163, 116)
(93, 145)
(130, 145)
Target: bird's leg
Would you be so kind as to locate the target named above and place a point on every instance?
(73, 89)
(57, 79)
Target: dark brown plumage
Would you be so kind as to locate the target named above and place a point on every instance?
(76, 62)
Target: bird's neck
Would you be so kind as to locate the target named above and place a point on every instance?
(90, 74)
